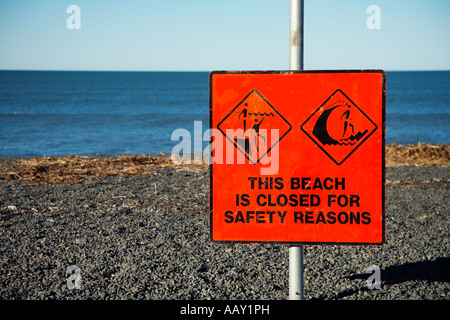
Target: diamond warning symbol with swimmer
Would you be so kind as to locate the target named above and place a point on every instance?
(339, 127)
(254, 126)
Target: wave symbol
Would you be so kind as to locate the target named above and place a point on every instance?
(321, 132)
(261, 114)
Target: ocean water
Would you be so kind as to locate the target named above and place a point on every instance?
(61, 113)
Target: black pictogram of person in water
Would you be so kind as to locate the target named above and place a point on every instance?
(254, 131)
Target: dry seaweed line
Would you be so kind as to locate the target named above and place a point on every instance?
(73, 169)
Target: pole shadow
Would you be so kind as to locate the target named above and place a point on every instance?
(429, 270)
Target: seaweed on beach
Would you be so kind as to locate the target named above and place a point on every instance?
(75, 168)
(418, 155)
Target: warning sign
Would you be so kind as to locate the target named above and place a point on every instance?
(321, 134)
(338, 127)
(248, 124)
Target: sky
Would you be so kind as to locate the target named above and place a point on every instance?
(206, 35)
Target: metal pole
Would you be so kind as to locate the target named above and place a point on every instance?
(296, 35)
(296, 63)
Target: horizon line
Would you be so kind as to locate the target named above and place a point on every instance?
(326, 69)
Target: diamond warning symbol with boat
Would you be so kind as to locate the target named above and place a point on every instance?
(338, 127)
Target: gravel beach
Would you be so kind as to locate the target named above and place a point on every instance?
(147, 237)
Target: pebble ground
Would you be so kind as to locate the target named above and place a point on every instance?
(147, 237)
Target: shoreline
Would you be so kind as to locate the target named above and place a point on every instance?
(389, 148)
(75, 168)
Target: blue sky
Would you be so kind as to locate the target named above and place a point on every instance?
(205, 35)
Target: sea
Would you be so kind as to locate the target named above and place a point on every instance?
(51, 113)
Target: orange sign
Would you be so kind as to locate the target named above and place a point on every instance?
(297, 156)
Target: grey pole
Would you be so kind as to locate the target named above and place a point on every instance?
(296, 63)
(296, 35)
